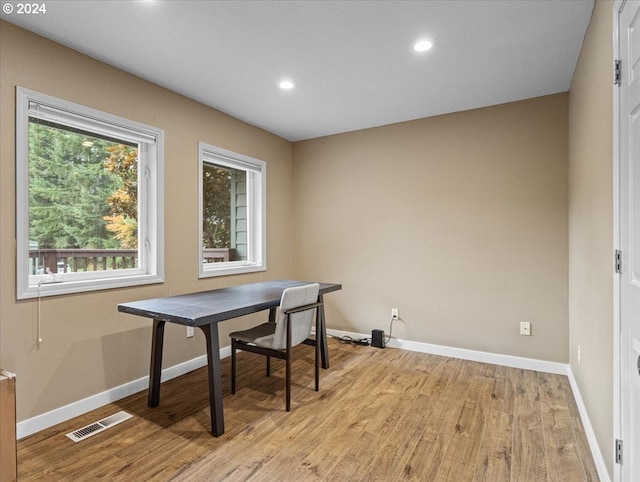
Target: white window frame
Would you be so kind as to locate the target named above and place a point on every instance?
(150, 195)
(256, 211)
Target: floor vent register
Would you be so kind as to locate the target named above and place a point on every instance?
(99, 426)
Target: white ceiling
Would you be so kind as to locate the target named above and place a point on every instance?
(352, 61)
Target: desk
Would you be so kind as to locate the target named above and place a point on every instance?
(205, 310)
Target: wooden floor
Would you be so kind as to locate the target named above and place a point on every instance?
(380, 415)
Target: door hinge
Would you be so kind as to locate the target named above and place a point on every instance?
(618, 451)
(618, 261)
(617, 76)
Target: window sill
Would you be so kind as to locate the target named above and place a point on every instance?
(65, 287)
(207, 271)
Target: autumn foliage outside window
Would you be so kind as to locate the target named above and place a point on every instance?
(123, 203)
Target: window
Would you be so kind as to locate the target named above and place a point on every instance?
(89, 198)
(231, 212)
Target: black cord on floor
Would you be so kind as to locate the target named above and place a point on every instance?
(348, 340)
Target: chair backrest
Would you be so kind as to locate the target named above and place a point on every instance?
(300, 322)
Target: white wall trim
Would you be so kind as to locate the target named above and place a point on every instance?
(62, 414)
(473, 355)
(601, 466)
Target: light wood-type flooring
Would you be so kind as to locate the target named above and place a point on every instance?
(381, 414)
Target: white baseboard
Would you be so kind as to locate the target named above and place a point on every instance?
(46, 420)
(473, 355)
(58, 415)
(588, 429)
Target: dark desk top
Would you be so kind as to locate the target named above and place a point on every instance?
(196, 309)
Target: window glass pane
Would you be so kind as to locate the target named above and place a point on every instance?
(224, 219)
(83, 200)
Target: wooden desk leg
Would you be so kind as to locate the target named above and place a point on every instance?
(215, 378)
(324, 348)
(157, 340)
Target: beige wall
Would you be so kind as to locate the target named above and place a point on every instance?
(591, 225)
(460, 221)
(88, 346)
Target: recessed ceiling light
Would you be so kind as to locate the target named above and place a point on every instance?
(287, 85)
(422, 46)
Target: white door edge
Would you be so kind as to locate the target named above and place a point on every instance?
(617, 386)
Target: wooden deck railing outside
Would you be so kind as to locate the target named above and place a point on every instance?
(77, 260)
(217, 255)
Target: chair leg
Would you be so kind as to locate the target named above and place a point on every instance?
(268, 366)
(288, 381)
(317, 366)
(317, 355)
(233, 366)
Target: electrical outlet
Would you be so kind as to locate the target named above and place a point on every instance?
(189, 331)
(525, 328)
(578, 354)
(395, 313)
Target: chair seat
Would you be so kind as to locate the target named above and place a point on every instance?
(261, 335)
